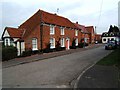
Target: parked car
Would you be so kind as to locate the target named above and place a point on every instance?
(110, 45)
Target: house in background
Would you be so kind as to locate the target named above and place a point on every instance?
(98, 38)
(13, 36)
(85, 35)
(90, 29)
(110, 37)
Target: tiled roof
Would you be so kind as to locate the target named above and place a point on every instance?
(45, 17)
(14, 32)
(82, 27)
(89, 29)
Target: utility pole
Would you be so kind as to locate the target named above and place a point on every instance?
(95, 33)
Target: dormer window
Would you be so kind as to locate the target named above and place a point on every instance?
(52, 29)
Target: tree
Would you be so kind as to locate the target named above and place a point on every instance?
(116, 29)
(74, 44)
(110, 29)
(58, 45)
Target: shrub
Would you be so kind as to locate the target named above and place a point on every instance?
(8, 53)
(27, 53)
(34, 52)
(63, 48)
(58, 47)
(80, 45)
(73, 44)
(86, 44)
(47, 49)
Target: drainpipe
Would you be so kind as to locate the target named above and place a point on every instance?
(20, 48)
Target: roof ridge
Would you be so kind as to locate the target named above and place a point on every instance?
(53, 14)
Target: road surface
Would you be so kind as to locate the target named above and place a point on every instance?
(58, 72)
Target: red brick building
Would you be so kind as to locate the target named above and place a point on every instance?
(45, 29)
(90, 29)
(98, 37)
(85, 35)
(40, 30)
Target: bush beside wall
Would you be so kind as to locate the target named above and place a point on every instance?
(27, 53)
(8, 53)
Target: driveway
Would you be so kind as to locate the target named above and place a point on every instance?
(57, 72)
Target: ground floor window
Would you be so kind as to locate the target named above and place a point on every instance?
(52, 43)
(34, 44)
(112, 39)
(104, 39)
(76, 42)
(7, 42)
(62, 42)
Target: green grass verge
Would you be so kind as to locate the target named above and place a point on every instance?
(112, 59)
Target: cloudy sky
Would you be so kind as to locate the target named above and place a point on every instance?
(99, 13)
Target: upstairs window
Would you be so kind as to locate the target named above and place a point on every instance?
(34, 44)
(52, 29)
(62, 31)
(76, 32)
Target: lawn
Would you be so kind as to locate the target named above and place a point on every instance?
(113, 59)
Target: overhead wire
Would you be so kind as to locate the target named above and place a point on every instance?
(100, 13)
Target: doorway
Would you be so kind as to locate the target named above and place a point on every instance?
(67, 43)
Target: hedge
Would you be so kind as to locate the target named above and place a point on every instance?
(8, 53)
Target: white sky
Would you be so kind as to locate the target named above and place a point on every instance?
(86, 12)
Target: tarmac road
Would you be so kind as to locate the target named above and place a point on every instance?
(57, 72)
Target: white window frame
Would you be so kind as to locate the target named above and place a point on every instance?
(34, 44)
(62, 31)
(104, 39)
(7, 42)
(76, 41)
(76, 32)
(62, 42)
(52, 29)
(52, 43)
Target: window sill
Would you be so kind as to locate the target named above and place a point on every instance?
(34, 49)
(52, 47)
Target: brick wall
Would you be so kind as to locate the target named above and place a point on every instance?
(70, 33)
(34, 34)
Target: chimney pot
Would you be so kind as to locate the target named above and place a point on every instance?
(76, 22)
